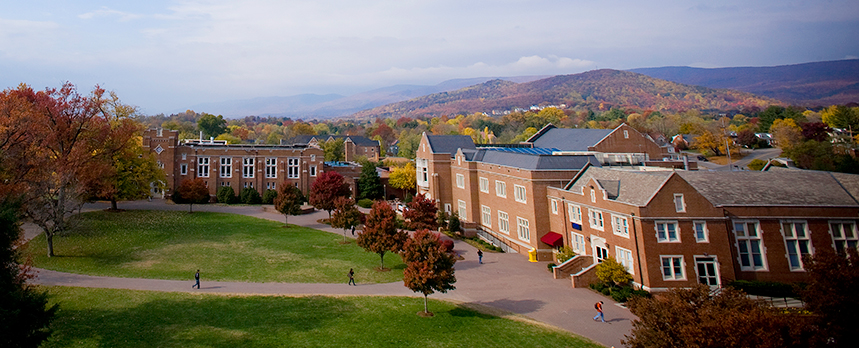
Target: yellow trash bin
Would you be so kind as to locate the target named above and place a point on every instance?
(532, 255)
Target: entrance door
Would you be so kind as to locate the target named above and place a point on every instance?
(600, 250)
(708, 272)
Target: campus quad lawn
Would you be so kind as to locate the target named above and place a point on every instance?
(129, 318)
(225, 247)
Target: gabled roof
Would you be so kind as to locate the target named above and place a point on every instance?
(532, 161)
(775, 188)
(449, 143)
(568, 139)
(631, 187)
(357, 139)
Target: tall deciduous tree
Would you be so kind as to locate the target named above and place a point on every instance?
(429, 267)
(345, 215)
(25, 316)
(422, 214)
(831, 295)
(380, 234)
(333, 149)
(191, 191)
(288, 201)
(326, 188)
(211, 125)
(369, 183)
(403, 178)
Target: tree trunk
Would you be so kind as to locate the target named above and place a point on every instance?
(50, 238)
(382, 265)
(113, 204)
(286, 220)
(426, 310)
(190, 208)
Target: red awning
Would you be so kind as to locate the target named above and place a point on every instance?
(553, 239)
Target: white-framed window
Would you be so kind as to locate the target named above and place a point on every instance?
(503, 222)
(625, 134)
(271, 167)
(184, 156)
(183, 169)
(596, 220)
(672, 267)
(620, 225)
(519, 194)
(702, 235)
(248, 167)
(160, 164)
(679, 203)
(226, 167)
(422, 171)
(575, 213)
(667, 232)
(225, 183)
(593, 196)
(312, 158)
(248, 184)
(486, 216)
(578, 243)
(524, 229)
(750, 245)
(292, 167)
(554, 204)
(271, 186)
(844, 235)
(500, 189)
(203, 167)
(484, 185)
(312, 170)
(460, 181)
(624, 256)
(797, 242)
(461, 210)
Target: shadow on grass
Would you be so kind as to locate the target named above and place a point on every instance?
(206, 321)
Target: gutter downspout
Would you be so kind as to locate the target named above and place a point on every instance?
(637, 253)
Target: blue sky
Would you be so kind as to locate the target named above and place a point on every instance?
(165, 56)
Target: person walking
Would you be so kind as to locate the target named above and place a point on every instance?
(353, 230)
(480, 256)
(197, 278)
(598, 307)
(351, 278)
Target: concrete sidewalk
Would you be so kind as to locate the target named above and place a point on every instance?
(504, 281)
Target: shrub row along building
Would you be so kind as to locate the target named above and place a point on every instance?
(616, 193)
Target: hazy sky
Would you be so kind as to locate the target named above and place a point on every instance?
(167, 55)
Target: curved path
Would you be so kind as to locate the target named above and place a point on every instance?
(504, 281)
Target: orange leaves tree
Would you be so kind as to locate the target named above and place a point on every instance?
(69, 142)
(325, 189)
(429, 267)
(288, 201)
(345, 215)
(831, 295)
(422, 214)
(380, 234)
(191, 191)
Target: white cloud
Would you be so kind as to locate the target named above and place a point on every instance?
(107, 12)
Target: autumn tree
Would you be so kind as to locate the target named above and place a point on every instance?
(191, 191)
(345, 215)
(288, 201)
(369, 183)
(326, 188)
(380, 234)
(429, 267)
(831, 294)
(610, 271)
(694, 318)
(211, 125)
(403, 178)
(422, 214)
(840, 116)
(333, 149)
(786, 133)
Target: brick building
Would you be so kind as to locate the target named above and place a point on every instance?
(354, 146)
(238, 166)
(679, 228)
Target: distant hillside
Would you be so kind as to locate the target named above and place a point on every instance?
(314, 106)
(810, 84)
(598, 89)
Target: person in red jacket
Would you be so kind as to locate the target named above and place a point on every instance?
(598, 307)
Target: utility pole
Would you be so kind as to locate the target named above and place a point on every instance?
(728, 151)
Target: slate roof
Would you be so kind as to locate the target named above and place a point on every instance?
(449, 143)
(357, 139)
(631, 187)
(531, 161)
(776, 188)
(569, 139)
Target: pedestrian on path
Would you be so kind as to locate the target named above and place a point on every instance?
(353, 230)
(480, 256)
(351, 278)
(598, 307)
(197, 278)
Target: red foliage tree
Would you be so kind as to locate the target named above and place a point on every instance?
(831, 295)
(345, 215)
(326, 188)
(421, 214)
(380, 234)
(429, 267)
(191, 191)
(288, 201)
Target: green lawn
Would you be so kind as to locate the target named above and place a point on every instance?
(227, 247)
(127, 318)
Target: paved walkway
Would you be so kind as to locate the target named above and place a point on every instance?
(504, 281)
